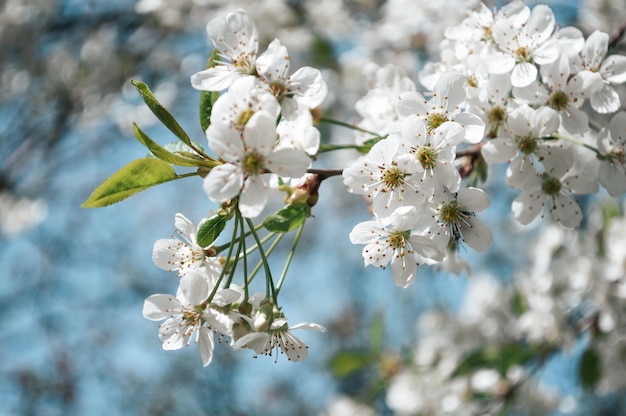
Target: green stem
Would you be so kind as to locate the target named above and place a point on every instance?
(324, 148)
(269, 283)
(578, 142)
(223, 247)
(289, 258)
(347, 125)
(245, 260)
(228, 260)
(267, 253)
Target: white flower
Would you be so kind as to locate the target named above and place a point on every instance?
(299, 132)
(378, 106)
(245, 97)
(304, 87)
(188, 313)
(385, 176)
(528, 130)
(603, 72)
(435, 152)
(612, 144)
(525, 46)
(236, 39)
(443, 107)
(455, 219)
(553, 188)
(398, 244)
(560, 92)
(250, 158)
(183, 255)
(278, 337)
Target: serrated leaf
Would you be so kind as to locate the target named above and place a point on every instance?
(132, 178)
(167, 156)
(590, 368)
(345, 363)
(287, 218)
(497, 357)
(210, 230)
(162, 114)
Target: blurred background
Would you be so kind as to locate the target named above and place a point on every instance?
(73, 281)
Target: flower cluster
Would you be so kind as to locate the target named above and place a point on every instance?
(204, 307)
(509, 89)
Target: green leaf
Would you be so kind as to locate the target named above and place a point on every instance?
(287, 218)
(345, 363)
(376, 334)
(518, 303)
(498, 357)
(210, 230)
(590, 368)
(162, 114)
(189, 159)
(368, 144)
(132, 178)
(207, 99)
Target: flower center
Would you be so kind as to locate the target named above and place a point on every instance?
(393, 177)
(558, 100)
(244, 117)
(550, 185)
(523, 55)
(245, 64)
(527, 144)
(427, 157)
(435, 120)
(278, 89)
(450, 213)
(253, 163)
(617, 155)
(397, 239)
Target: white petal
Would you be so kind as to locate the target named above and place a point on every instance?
(217, 78)
(580, 184)
(566, 211)
(223, 182)
(499, 150)
(411, 103)
(614, 69)
(606, 100)
(403, 270)
(253, 197)
(527, 206)
(472, 124)
(523, 74)
(160, 306)
(476, 235)
(449, 91)
(225, 142)
(186, 227)
(194, 287)
(260, 132)
(308, 327)
(377, 254)
(288, 163)
(426, 247)
(473, 199)
(205, 345)
(164, 253)
(612, 178)
(367, 232)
